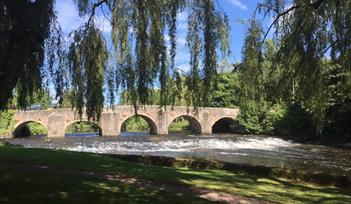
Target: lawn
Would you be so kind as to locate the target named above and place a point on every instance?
(30, 185)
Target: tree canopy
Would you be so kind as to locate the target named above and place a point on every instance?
(307, 33)
(34, 54)
(304, 67)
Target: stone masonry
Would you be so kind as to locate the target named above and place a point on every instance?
(57, 120)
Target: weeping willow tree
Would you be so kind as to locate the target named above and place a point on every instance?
(308, 33)
(251, 68)
(87, 58)
(26, 54)
(144, 59)
(33, 53)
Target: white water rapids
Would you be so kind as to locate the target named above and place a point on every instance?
(185, 145)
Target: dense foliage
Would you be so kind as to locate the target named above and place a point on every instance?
(6, 122)
(306, 69)
(227, 90)
(25, 28)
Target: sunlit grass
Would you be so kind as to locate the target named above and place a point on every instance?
(262, 187)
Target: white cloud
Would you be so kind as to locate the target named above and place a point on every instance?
(238, 4)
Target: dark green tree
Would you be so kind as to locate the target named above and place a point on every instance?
(227, 91)
(25, 30)
(308, 32)
(251, 67)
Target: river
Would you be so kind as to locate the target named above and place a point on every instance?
(249, 149)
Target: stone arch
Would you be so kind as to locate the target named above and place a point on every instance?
(18, 128)
(150, 121)
(77, 121)
(195, 125)
(225, 124)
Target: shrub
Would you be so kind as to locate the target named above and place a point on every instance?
(272, 117)
(6, 122)
(337, 125)
(251, 115)
(297, 123)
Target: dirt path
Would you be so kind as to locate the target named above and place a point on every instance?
(137, 182)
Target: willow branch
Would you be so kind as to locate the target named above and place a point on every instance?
(314, 5)
(95, 6)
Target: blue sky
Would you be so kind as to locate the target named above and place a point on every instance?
(238, 11)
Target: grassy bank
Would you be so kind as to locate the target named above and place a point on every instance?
(37, 185)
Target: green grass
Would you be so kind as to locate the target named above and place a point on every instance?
(27, 186)
(265, 188)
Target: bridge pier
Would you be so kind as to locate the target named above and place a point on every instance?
(206, 126)
(56, 126)
(110, 124)
(162, 123)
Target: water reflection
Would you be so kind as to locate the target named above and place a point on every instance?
(256, 150)
(83, 134)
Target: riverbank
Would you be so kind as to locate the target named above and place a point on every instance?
(44, 167)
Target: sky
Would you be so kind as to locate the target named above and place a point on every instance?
(238, 11)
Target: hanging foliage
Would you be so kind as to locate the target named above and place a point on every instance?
(309, 32)
(144, 37)
(87, 59)
(26, 28)
(143, 25)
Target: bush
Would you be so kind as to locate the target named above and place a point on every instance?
(261, 117)
(297, 123)
(36, 129)
(337, 125)
(272, 118)
(135, 124)
(6, 122)
(251, 115)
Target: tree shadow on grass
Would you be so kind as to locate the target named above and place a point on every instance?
(28, 186)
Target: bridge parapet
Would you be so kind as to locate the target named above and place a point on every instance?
(57, 120)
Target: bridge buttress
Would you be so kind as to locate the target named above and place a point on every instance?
(205, 124)
(56, 126)
(162, 124)
(110, 124)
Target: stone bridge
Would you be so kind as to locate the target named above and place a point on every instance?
(57, 120)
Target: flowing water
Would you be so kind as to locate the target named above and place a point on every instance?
(256, 150)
